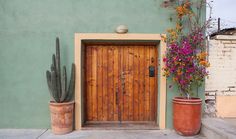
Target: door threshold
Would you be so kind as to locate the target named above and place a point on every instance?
(120, 126)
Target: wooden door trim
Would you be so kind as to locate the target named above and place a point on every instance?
(81, 37)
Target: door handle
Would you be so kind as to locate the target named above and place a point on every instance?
(152, 60)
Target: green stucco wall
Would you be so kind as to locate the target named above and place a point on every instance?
(28, 29)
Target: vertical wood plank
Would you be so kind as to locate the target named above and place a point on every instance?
(94, 82)
(116, 83)
(152, 84)
(89, 112)
(110, 84)
(141, 83)
(136, 83)
(104, 82)
(130, 82)
(85, 82)
(121, 89)
(99, 82)
(126, 85)
(147, 84)
(156, 84)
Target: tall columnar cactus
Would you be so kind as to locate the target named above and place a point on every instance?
(57, 84)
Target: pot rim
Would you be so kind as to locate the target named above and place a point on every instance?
(184, 99)
(63, 103)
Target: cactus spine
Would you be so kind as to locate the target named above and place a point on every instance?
(57, 84)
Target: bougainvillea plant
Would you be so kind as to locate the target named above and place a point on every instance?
(185, 59)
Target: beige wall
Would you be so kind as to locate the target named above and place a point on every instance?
(226, 106)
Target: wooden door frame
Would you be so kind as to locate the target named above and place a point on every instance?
(80, 38)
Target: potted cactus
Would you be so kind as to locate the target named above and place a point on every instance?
(62, 104)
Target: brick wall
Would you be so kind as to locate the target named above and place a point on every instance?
(222, 72)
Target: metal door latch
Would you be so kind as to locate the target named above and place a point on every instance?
(151, 71)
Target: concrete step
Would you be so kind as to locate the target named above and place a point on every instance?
(215, 128)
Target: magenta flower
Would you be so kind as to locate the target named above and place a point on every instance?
(182, 63)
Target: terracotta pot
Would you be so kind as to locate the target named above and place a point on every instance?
(187, 115)
(62, 117)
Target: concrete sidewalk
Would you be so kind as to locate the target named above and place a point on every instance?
(92, 134)
(231, 121)
(217, 128)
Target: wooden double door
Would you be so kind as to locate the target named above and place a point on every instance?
(120, 83)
